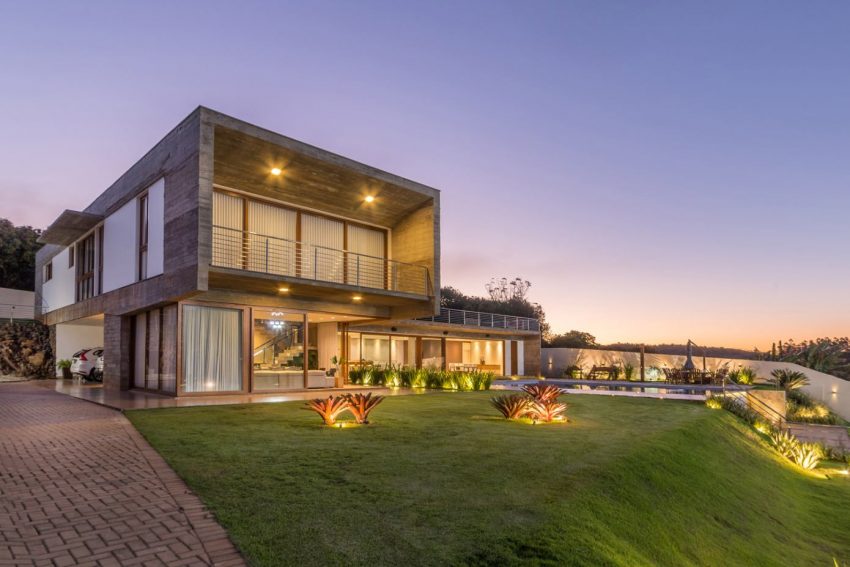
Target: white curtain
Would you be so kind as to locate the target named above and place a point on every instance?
(366, 265)
(227, 230)
(212, 349)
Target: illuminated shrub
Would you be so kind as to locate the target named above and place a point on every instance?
(512, 406)
(745, 375)
(788, 380)
(398, 376)
(713, 403)
(543, 392)
(328, 409)
(547, 411)
(806, 455)
(361, 405)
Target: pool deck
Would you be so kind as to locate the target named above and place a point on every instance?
(663, 389)
(135, 399)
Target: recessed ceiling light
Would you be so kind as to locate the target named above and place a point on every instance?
(369, 198)
(283, 289)
(276, 171)
(357, 297)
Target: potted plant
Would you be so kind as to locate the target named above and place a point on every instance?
(336, 361)
(65, 366)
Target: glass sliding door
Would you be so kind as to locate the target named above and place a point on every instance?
(212, 349)
(432, 353)
(278, 350)
(403, 351)
(376, 350)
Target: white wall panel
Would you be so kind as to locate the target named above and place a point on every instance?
(520, 358)
(59, 291)
(120, 247)
(156, 228)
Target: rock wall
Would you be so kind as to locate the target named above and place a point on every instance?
(25, 350)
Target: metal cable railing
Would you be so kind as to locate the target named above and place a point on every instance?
(479, 319)
(744, 397)
(243, 250)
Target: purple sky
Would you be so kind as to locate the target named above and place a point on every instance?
(658, 170)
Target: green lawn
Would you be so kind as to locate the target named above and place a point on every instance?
(438, 479)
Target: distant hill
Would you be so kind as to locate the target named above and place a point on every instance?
(717, 352)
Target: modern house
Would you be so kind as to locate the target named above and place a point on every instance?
(233, 259)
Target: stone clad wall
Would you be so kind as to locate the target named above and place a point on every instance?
(25, 350)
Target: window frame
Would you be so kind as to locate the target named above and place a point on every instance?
(142, 235)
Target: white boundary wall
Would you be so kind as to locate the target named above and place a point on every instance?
(16, 304)
(826, 388)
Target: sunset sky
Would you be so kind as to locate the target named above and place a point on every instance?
(658, 170)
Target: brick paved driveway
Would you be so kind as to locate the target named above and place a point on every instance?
(80, 486)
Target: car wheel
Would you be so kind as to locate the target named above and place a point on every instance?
(97, 376)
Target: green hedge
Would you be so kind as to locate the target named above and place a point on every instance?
(422, 378)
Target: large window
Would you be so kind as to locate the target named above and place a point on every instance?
(270, 238)
(85, 274)
(278, 350)
(212, 349)
(432, 353)
(142, 269)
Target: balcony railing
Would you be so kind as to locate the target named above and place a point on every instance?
(489, 320)
(242, 250)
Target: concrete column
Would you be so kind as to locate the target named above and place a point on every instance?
(117, 348)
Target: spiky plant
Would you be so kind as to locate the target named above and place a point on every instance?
(806, 455)
(784, 443)
(746, 376)
(543, 392)
(713, 403)
(546, 411)
(788, 379)
(328, 409)
(512, 406)
(361, 405)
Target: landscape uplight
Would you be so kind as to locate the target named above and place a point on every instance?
(276, 171)
(369, 198)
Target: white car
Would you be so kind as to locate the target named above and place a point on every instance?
(83, 363)
(97, 375)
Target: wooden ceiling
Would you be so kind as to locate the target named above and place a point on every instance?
(313, 178)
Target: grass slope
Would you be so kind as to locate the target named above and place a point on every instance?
(439, 480)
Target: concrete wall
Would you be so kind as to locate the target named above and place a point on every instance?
(16, 304)
(415, 240)
(828, 389)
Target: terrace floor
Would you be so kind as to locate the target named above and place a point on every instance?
(135, 399)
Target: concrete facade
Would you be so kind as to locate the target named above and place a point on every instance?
(209, 152)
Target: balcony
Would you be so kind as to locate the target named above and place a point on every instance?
(486, 320)
(258, 253)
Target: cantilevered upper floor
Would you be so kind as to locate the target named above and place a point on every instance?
(228, 211)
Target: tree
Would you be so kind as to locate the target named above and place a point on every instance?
(18, 245)
(505, 298)
(571, 339)
(504, 290)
